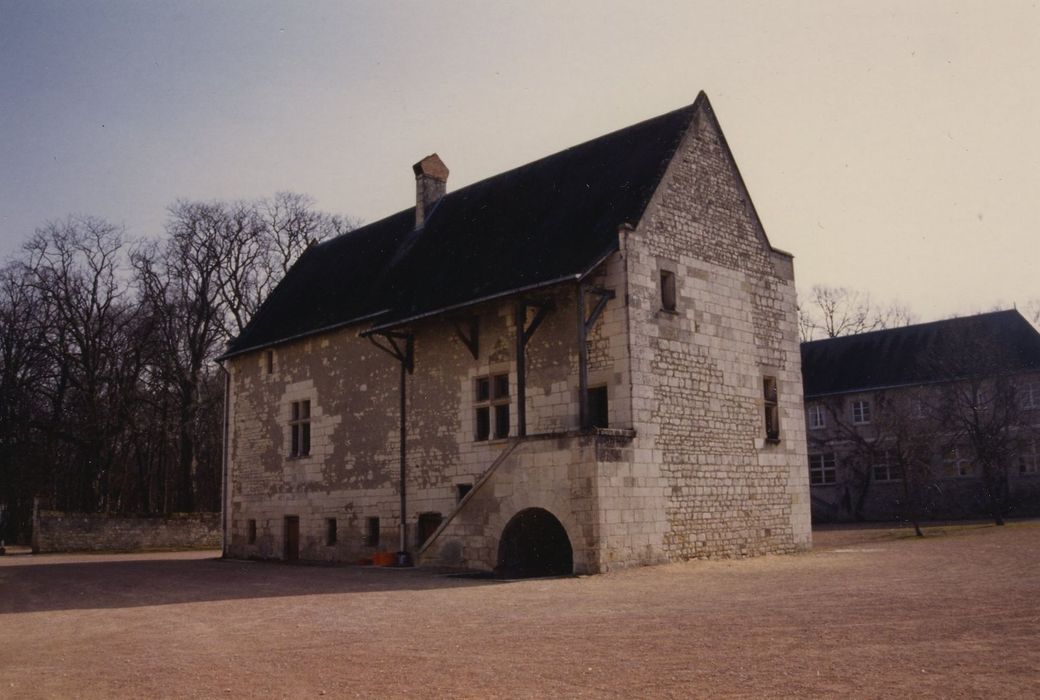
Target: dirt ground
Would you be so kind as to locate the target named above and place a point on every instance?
(869, 613)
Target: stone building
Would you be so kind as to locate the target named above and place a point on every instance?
(939, 420)
(585, 363)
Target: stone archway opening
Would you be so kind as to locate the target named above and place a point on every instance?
(534, 543)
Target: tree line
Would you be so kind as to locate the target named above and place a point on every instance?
(110, 399)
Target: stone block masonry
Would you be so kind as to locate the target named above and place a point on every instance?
(56, 531)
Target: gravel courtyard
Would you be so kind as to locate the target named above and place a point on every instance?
(869, 613)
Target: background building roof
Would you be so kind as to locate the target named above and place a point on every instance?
(986, 344)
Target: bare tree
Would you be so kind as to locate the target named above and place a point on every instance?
(180, 285)
(980, 408)
(77, 268)
(834, 311)
(896, 445)
(23, 369)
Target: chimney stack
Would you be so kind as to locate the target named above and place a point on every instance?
(431, 181)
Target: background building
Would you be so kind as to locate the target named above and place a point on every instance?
(935, 420)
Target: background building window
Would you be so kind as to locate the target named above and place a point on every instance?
(491, 401)
(822, 469)
(816, 417)
(860, 412)
(270, 361)
(1029, 458)
(330, 531)
(300, 429)
(667, 290)
(957, 462)
(1030, 394)
(251, 532)
(772, 408)
(887, 467)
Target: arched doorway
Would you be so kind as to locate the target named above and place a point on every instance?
(534, 543)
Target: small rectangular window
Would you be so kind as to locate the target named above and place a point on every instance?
(771, 402)
(461, 490)
(491, 407)
(887, 467)
(667, 290)
(300, 429)
(860, 412)
(598, 407)
(330, 531)
(958, 463)
(483, 431)
(501, 386)
(372, 532)
(428, 524)
(1030, 394)
(1029, 458)
(251, 531)
(816, 417)
(502, 421)
(822, 469)
(270, 361)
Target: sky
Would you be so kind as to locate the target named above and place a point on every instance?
(892, 147)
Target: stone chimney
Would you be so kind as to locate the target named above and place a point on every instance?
(431, 181)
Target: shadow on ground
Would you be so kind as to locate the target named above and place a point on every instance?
(64, 582)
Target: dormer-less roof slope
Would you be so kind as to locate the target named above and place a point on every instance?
(546, 222)
(987, 344)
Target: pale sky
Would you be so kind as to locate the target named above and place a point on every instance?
(892, 147)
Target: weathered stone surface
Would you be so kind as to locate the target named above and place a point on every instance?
(690, 474)
(56, 531)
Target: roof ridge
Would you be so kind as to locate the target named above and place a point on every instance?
(915, 326)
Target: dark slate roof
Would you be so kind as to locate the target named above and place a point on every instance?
(986, 344)
(542, 223)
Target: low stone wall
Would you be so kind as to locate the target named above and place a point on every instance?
(56, 531)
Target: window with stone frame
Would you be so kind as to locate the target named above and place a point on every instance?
(668, 295)
(1030, 395)
(817, 418)
(823, 469)
(491, 407)
(331, 532)
(300, 429)
(372, 531)
(860, 412)
(886, 468)
(598, 406)
(1029, 458)
(957, 462)
(771, 404)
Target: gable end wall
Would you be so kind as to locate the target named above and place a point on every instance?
(697, 372)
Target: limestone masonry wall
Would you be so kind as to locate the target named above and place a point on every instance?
(56, 531)
(351, 472)
(685, 471)
(697, 371)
